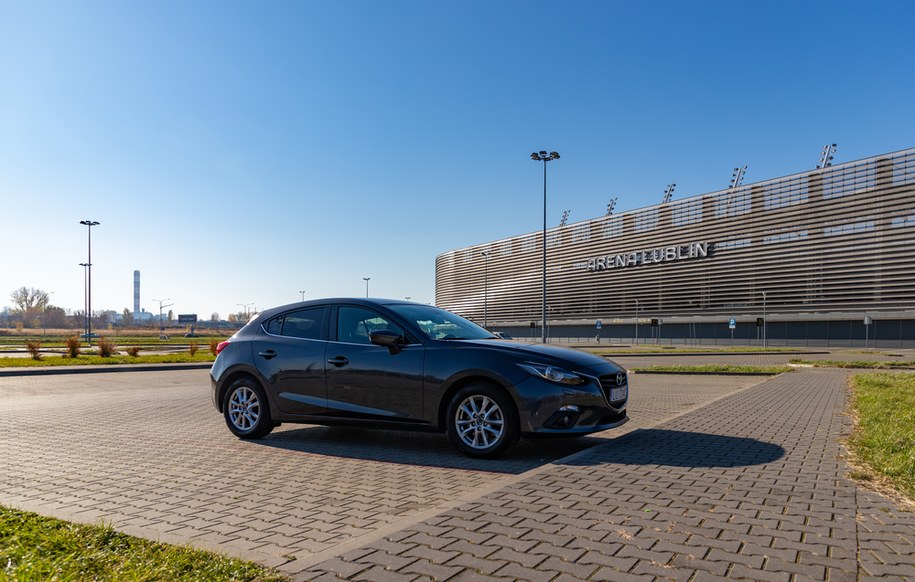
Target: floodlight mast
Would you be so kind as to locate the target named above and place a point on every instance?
(543, 156)
(826, 156)
(668, 193)
(737, 177)
(610, 206)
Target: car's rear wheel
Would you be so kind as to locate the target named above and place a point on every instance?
(482, 421)
(246, 410)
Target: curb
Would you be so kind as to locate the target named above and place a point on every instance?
(59, 370)
(688, 354)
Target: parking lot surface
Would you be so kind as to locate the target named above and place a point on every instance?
(714, 477)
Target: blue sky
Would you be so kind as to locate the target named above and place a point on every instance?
(240, 152)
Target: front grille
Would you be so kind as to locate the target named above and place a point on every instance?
(610, 382)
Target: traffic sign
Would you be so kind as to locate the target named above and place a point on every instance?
(733, 323)
(598, 325)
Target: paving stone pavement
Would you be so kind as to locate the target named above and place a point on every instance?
(749, 487)
(715, 477)
(147, 453)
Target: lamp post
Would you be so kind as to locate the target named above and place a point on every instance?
(765, 322)
(162, 335)
(89, 224)
(636, 322)
(245, 307)
(85, 267)
(544, 157)
(486, 290)
(366, 279)
(303, 295)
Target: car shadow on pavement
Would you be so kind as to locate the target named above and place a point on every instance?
(418, 448)
(675, 448)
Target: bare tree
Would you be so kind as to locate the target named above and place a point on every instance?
(30, 299)
(127, 317)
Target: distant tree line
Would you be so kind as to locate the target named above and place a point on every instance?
(32, 309)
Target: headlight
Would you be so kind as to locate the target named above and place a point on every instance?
(552, 373)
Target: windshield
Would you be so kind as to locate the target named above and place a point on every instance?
(440, 324)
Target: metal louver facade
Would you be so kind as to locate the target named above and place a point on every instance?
(837, 242)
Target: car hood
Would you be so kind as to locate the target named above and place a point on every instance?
(545, 354)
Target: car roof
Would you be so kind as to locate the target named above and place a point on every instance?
(367, 301)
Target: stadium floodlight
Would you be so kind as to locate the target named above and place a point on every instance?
(610, 206)
(737, 177)
(668, 193)
(826, 156)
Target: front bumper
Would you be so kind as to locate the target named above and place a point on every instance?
(548, 408)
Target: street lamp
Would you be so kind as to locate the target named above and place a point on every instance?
(636, 322)
(161, 325)
(89, 224)
(303, 295)
(765, 323)
(85, 267)
(486, 290)
(544, 157)
(245, 307)
(366, 279)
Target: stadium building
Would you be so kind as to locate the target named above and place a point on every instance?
(825, 257)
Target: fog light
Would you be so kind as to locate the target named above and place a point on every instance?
(565, 417)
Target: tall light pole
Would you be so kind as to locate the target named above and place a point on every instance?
(636, 322)
(544, 157)
(161, 326)
(85, 267)
(765, 322)
(366, 279)
(303, 295)
(89, 224)
(245, 306)
(486, 290)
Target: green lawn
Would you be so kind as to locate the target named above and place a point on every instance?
(884, 437)
(203, 355)
(33, 547)
(656, 349)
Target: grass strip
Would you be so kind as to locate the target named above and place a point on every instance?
(893, 364)
(717, 369)
(679, 350)
(91, 360)
(33, 547)
(883, 440)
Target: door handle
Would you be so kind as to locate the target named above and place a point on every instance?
(267, 354)
(339, 361)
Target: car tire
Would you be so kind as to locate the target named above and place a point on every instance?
(482, 421)
(246, 409)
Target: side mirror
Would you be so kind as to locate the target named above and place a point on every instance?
(387, 338)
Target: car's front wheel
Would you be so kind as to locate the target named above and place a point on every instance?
(481, 421)
(246, 410)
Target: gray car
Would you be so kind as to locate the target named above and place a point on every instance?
(396, 364)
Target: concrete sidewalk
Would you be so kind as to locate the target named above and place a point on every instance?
(749, 487)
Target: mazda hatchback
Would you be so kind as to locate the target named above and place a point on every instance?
(395, 364)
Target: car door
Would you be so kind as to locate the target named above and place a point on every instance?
(290, 352)
(368, 381)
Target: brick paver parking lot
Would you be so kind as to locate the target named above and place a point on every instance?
(714, 477)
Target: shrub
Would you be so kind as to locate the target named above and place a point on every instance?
(72, 346)
(105, 348)
(213, 344)
(34, 349)
(133, 352)
(193, 349)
